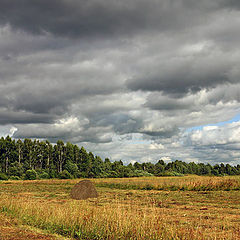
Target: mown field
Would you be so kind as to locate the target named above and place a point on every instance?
(189, 207)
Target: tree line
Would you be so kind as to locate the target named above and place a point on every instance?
(31, 159)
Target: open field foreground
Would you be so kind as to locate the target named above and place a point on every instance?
(188, 207)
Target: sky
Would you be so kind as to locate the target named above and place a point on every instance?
(136, 80)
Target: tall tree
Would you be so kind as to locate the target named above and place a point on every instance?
(28, 153)
(49, 153)
(8, 152)
(85, 163)
(19, 145)
(60, 154)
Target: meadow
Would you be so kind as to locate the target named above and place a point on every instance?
(190, 207)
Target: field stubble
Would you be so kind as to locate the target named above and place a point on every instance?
(132, 208)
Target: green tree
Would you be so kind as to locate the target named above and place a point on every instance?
(69, 152)
(16, 169)
(85, 163)
(60, 154)
(76, 154)
(98, 168)
(28, 153)
(49, 155)
(72, 168)
(8, 153)
(19, 146)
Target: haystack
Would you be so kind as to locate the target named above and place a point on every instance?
(83, 190)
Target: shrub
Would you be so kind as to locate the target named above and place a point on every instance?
(15, 178)
(53, 173)
(141, 173)
(30, 175)
(44, 175)
(112, 174)
(170, 174)
(65, 175)
(3, 176)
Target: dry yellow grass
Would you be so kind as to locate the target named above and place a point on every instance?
(126, 214)
(190, 182)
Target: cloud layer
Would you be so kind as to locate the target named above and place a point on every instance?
(127, 79)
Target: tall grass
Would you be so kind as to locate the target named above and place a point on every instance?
(189, 183)
(114, 220)
(84, 221)
(128, 214)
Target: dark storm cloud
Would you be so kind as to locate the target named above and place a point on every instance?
(224, 94)
(21, 117)
(98, 18)
(159, 102)
(164, 133)
(70, 130)
(46, 82)
(122, 123)
(45, 103)
(184, 76)
(76, 18)
(231, 4)
(94, 70)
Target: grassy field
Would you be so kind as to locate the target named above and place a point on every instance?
(190, 207)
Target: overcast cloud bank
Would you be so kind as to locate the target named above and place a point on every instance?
(126, 79)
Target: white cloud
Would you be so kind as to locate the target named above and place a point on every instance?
(155, 146)
(216, 135)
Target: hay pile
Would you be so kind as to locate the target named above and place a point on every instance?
(84, 190)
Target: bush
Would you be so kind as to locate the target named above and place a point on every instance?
(3, 176)
(141, 173)
(30, 175)
(170, 174)
(112, 174)
(53, 173)
(15, 178)
(44, 175)
(65, 175)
